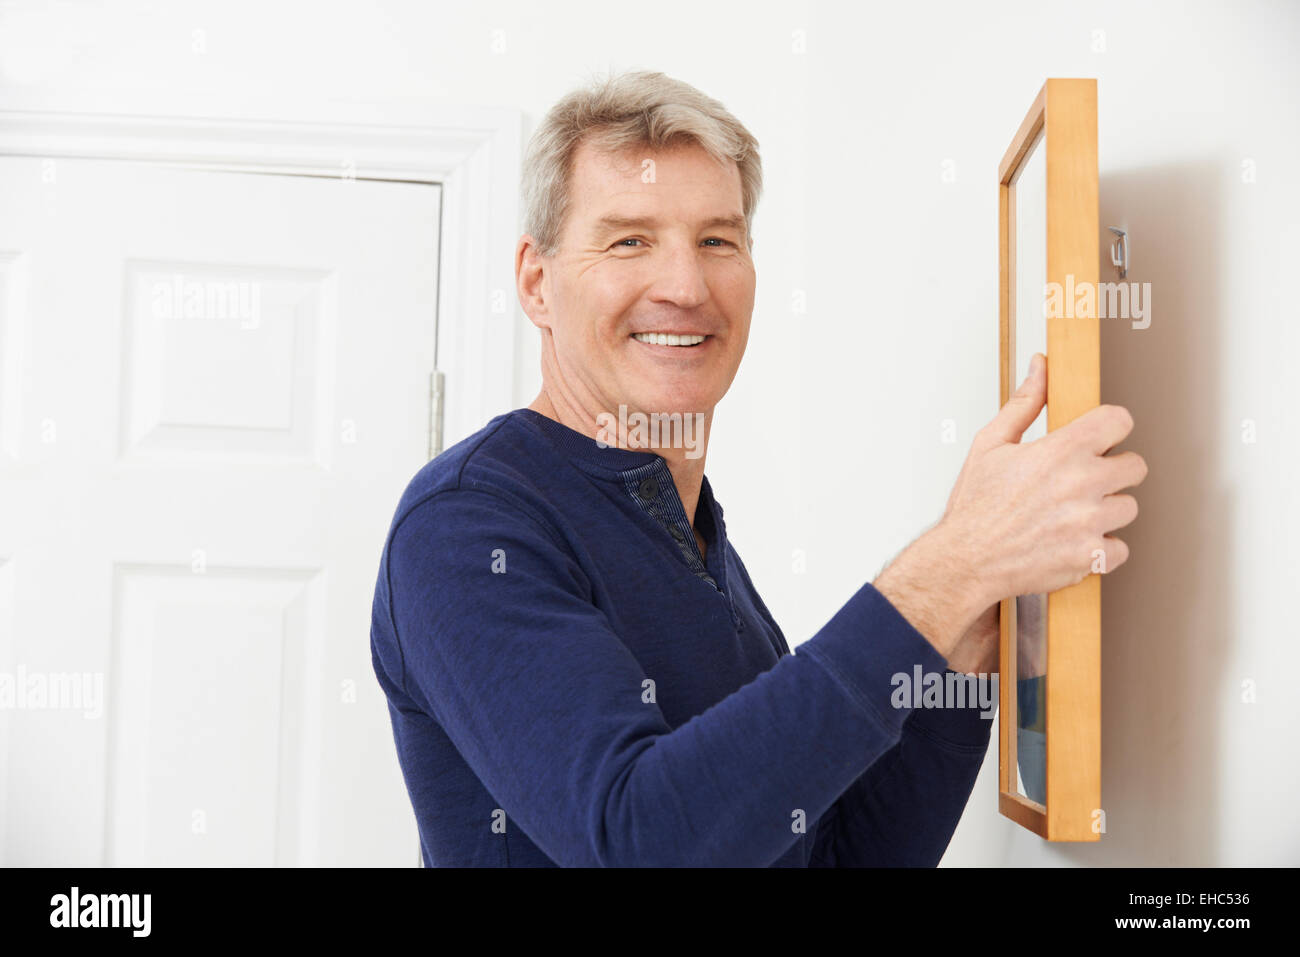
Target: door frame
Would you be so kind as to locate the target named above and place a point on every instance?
(469, 151)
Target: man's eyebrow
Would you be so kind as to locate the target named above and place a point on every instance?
(613, 221)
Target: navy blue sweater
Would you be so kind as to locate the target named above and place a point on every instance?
(571, 684)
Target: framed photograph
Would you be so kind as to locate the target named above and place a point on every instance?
(1049, 750)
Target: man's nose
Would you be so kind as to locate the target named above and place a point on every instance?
(679, 276)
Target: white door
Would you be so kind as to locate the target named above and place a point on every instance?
(214, 388)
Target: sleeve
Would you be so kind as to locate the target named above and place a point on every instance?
(502, 644)
(903, 810)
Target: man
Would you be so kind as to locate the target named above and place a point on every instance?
(579, 669)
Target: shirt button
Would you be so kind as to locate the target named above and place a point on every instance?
(649, 488)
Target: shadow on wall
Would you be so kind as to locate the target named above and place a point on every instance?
(1165, 614)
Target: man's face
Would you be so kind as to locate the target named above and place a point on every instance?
(653, 242)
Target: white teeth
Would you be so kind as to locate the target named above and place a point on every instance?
(667, 339)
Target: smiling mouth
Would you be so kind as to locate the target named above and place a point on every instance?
(668, 339)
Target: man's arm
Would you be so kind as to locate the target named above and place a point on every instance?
(903, 810)
(934, 584)
(544, 701)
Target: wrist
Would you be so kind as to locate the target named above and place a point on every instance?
(973, 588)
(935, 584)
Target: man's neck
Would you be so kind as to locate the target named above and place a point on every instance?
(687, 473)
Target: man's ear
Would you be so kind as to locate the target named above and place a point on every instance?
(529, 275)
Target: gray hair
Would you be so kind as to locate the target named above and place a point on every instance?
(632, 110)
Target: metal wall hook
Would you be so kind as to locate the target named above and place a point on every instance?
(1119, 251)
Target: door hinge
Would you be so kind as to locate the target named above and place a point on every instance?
(436, 387)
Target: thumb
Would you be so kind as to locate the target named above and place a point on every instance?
(1023, 407)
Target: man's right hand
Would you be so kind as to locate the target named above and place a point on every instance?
(1036, 517)
(1022, 518)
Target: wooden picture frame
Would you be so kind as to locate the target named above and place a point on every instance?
(1065, 114)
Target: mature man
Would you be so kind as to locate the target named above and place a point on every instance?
(579, 669)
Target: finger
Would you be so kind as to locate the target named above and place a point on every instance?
(1117, 511)
(1099, 429)
(1116, 554)
(1024, 405)
(1122, 470)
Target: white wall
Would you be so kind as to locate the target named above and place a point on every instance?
(843, 405)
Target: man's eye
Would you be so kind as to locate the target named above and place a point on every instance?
(633, 239)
